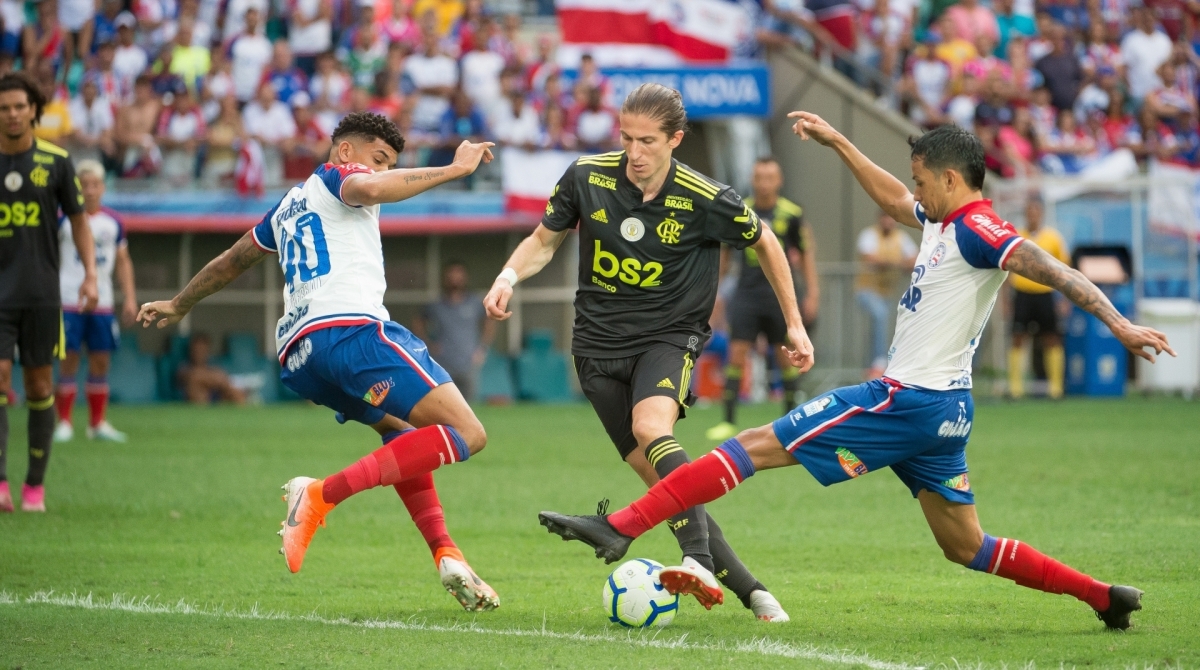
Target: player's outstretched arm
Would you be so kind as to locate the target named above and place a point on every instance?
(81, 234)
(775, 266)
(242, 256)
(1031, 262)
(528, 259)
(397, 185)
(892, 196)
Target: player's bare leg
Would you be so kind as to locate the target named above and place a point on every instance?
(957, 531)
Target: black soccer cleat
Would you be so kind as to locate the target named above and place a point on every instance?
(593, 530)
(1122, 601)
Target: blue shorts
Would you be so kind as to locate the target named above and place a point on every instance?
(922, 435)
(362, 372)
(99, 331)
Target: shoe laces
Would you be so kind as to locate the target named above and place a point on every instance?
(602, 507)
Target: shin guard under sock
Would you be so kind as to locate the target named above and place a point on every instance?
(733, 388)
(409, 455)
(41, 436)
(730, 570)
(1030, 568)
(691, 525)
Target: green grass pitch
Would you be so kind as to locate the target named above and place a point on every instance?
(180, 525)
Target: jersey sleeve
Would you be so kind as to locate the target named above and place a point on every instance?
(334, 176)
(986, 240)
(562, 210)
(731, 221)
(919, 212)
(68, 190)
(263, 234)
(121, 240)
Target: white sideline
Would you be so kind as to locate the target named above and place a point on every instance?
(760, 646)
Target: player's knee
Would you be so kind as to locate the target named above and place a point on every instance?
(37, 387)
(473, 434)
(959, 550)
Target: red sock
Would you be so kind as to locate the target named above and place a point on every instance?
(421, 499)
(413, 454)
(704, 480)
(97, 397)
(1031, 568)
(64, 400)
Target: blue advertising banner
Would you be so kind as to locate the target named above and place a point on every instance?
(708, 92)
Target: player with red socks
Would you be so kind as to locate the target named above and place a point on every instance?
(338, 347)
(918, 418)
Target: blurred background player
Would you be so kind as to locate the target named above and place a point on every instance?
(98, 328)
(1035, 313)
(753, 309)
(886, 256)
(201, 382)
(39, 180)
(457, 329)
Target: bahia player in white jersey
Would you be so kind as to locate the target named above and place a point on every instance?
(338, 347)
(98, 328)
(918, 418)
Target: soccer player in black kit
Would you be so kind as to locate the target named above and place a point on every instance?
(650, 234)
(38, 182)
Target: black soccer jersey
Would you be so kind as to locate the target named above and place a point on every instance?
(647, 270)
(786, 218)
(36, 184)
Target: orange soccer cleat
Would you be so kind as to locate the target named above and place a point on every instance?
(691, 578)
(306, 511)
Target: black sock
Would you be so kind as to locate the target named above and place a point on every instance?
(733, 387)
(791, 384)
(41, 436)
(3, 437)
(689, 526)
(730, 570)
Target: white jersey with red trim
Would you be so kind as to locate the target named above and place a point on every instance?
(109, 236)
(331, 255)
(958, 274)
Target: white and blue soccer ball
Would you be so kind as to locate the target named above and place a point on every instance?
(634, 598)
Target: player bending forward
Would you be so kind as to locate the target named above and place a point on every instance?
(918, 417)
(338, 347)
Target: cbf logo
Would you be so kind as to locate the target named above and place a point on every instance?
(669, 231)
(960, 427)
(299, 355)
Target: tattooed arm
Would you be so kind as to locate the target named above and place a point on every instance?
(1031, 262)
(221, 270)
(397, 185)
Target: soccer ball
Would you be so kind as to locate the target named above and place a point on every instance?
(634, 598)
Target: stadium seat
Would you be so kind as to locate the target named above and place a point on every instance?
(496, 385)
(167, 365)
(132, 377)
(541, 371)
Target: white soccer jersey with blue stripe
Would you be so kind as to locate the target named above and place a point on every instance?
(109, 235)
(330, 253)
(957, 276)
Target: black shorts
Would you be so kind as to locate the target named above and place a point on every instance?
(37, 331)
(615, 385)
(1034, 314)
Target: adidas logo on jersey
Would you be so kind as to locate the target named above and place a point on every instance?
(666, 384)
(600, 216)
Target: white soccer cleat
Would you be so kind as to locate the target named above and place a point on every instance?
(467, 588)
(64, 432)
(105, 432)
(767, 608)
(691, 578)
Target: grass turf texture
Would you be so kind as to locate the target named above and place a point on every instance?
(187, 511)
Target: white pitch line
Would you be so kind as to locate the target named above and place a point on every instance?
(761, 646)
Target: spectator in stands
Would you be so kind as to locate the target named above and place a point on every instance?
(12, 14)
(462, 121)
(926, 85)
(589, 75)
(283, 73)
(595, 125)
(104, 24)
(1169, 100)
(310, 32)
(886, 257)
(1120, 128)
(92, 125)
(961, 108)
(129, 59)
(75, 17)
(225, 135)
(181, 133)
(269, 120)
(445, 13)
(249, 53)
(954, 49)
(201, 382)
(1176, 141)
(366, 57)
(1068, 149)
(481, 70)
(310, 146)
(1100, 51)
(330, 91)
(1061, 70)
(969, 20)
(1010, 24)
(108, 86)
(163, 80)
(1093, 98)
(551, 94)
(386, 99)
(44, 38)
(237, 21)
(542, 66)
(507, 42)
(1018, 146)
(400, 26)
(217, 85)
(55, 124)
(1143, 50)
(188, 61)
(516, 123)
(557, 135)
(136, 123)
(434, 75)
(457, 330)
(202, 32)
(460, 35)
(1175, 16)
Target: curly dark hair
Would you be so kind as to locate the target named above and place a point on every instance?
(21, 81)
(368, 126)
